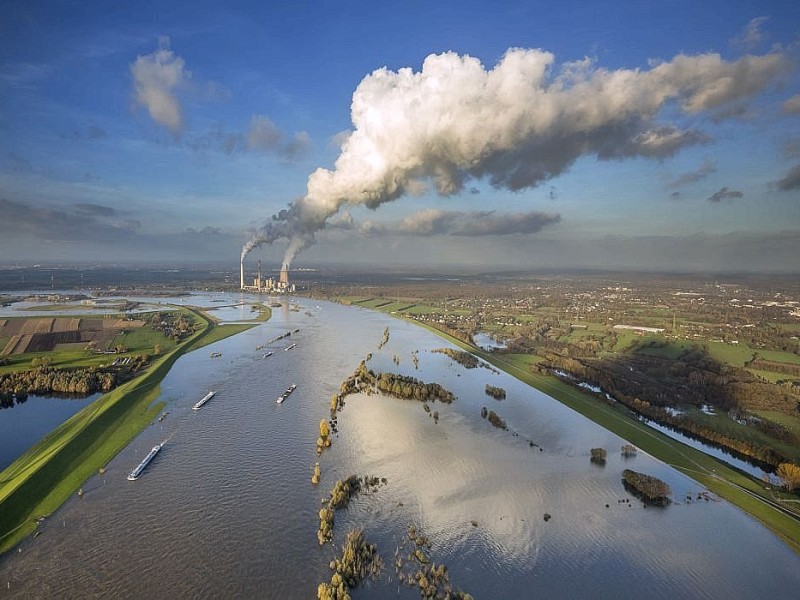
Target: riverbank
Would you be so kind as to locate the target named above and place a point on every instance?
(738, 488)
(44, 477)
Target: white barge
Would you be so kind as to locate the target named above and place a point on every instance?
(133, 475)
(205, 399)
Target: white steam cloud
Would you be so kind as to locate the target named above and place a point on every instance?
(156, 78)
(516, 125)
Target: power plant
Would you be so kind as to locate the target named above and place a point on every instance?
(268, 285)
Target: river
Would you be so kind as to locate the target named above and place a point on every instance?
(227, 508)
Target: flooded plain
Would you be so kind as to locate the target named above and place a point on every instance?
(227, 508)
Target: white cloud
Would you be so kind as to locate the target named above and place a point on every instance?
(157, 77)
(752, 34)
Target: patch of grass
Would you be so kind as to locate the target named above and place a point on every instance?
(736, 355)
(671, 350)
(62, 358)
(790, 422)
(220, 332)
(778, 356)
(722, 423)
(374, 302)
(264, 314)
(140, 340)
(522, 361)
(424, 309)
(396, 306)
(771, 375)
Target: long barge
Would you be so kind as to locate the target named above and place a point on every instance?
(286, 394)
(205, 399)
(133, 475)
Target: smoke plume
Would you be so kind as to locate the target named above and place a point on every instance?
(516, 125)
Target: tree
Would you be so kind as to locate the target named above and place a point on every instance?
(789, 474)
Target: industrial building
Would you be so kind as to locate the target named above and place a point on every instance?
(267, 285)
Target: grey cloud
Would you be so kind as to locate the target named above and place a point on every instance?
(675, 195)
(458, 223)
(752, 34)
(298, 147)
(791, 148)
(656, 143)
(343, 220)
(703, 171)
(205, 231)
(83, 222)
(792, 105)
(724, 194)
(157, 77)
(734, 111)
(791, 181)
(89, 209)
(216, 139)
(263, 135)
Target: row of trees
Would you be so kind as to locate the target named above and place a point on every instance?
(409, 388)
(631, 392)
(48, 380)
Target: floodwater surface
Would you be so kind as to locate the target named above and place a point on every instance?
(227, 508)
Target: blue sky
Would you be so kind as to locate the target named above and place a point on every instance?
(91, 170)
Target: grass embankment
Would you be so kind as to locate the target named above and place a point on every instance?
(40, 480)
(731, 484)
(264, 313)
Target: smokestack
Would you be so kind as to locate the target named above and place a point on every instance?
(241, 270)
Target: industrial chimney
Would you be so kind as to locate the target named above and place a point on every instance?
(284, 276)
(241, 270)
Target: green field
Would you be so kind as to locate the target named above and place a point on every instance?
(788, 421)
(40, 480)
(736, 355)
(778, 356)
(143, 339)
(424, 309)
(66, 358)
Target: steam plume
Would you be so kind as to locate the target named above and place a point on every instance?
(516, 125)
